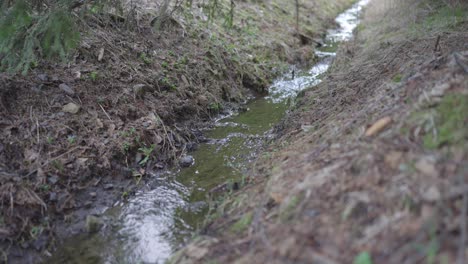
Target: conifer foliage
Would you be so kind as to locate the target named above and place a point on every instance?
(35, 29)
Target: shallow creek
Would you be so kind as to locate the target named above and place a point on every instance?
(166, 212)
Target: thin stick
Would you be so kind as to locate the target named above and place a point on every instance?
(105, 112)
(461, 249)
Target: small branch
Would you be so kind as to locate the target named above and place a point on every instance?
(462, 246)
(105, 112)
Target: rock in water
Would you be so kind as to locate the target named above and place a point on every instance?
(186, 161)
(93, 224)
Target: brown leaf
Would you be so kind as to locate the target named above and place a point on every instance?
(378, 126)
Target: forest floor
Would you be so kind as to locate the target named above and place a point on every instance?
(79, 136)
(371, 165)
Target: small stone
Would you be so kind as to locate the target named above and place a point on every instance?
(196, 252)
(93, 224)
(67, 89)
(71, 108)
(53, 197)
(186, 161)
(426, 166)
(53, 179)
(93, 195)
(108, 186)
(43, 77)
(431, 195)
(88, 204)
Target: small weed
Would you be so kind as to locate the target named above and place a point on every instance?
(35, 232)
(243, 223)
(363, 258)
(147, 153)
(125, 147)
(183, 60)
(168, 84)
(171, 53)
(50, 140)
(397, 78)
(125, 195)
(165, 65)
(58, 165)
(215, 107)
(131, 132)
(93, 76)
(44, 187)
(71, 139)
(288, 210)
(144, 57)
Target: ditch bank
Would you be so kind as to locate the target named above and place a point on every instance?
(370, 166)
(78, 138)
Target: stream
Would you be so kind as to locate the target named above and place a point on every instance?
(167, 211)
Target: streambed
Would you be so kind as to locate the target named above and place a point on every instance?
(165, 213)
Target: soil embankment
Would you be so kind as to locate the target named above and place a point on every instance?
(371, 165)
(75, 138)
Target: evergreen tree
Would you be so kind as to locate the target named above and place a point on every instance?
(31, 30)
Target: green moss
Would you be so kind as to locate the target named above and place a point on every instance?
(451, 122)
(397, 78)
(288, 211)
(445, 18)
(243, 223)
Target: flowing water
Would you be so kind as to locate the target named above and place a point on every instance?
(164, 214)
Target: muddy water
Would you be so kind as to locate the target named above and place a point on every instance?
(164, 214)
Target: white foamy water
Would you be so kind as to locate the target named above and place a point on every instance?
(288, 87)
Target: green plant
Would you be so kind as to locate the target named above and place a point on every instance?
(363, 258)
(125, 147)
(397, 78)
(50, 140)
(147, 151)
(30, 31)
(450, 126)
(58, 165)
(93, 76)
(165, 65)
(144, 57)
(44, 187)
(71, 139)
(215, 107)
(243, 223)
(35, 232)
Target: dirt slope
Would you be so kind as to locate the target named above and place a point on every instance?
(77, 137)
(371, 165)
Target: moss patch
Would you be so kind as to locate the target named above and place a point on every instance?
(451, 122)
(243, 223)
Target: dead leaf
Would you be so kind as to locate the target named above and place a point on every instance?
(426, 166)
(393, 159)
(101, 54)
(431, 195)
(378, 126)
(196, 252)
